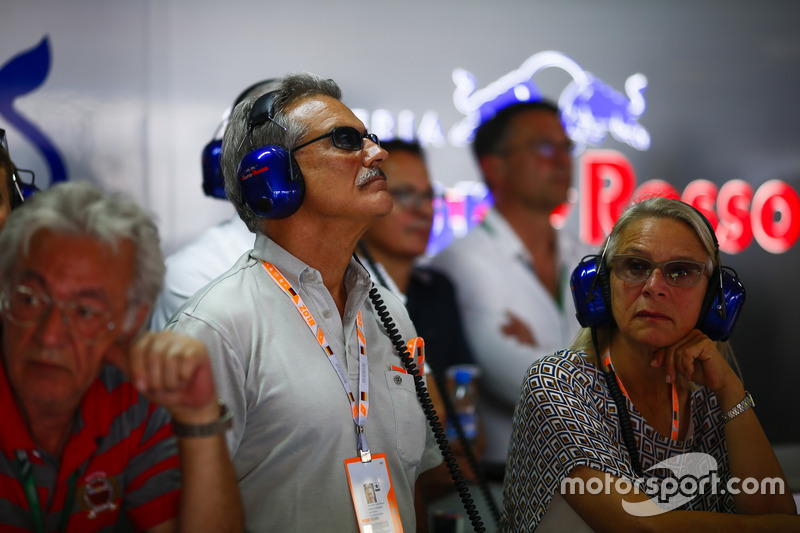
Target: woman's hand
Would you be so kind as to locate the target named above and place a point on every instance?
(696, 358)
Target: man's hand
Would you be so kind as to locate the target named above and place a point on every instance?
(515, 328)
(173, 371)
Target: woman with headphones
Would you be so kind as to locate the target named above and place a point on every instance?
(645, 419)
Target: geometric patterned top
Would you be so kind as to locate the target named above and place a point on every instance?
(565, 417)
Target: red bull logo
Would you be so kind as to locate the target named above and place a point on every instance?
(591, 111)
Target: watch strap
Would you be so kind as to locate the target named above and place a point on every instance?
(220, 425)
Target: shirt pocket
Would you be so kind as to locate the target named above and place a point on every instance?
(409, 419)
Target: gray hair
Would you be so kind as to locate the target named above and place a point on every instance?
(240, 138)
(656, 207)
(80, 208)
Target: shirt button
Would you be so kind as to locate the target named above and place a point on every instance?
(398, 380)
(326, 313)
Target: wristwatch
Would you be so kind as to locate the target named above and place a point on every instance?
(220, 425)
(739, 408)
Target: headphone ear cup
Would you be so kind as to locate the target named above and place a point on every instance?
(712, 322)
(213, 182)
(591, 293)
(270, 182)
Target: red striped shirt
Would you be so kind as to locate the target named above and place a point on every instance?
(122, 448)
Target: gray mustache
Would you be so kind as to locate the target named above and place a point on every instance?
(370, 174)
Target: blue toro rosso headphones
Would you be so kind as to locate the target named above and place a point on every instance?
(722, 304)
(270, 181)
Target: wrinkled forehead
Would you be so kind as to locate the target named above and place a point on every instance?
(662, 235)
(67, 261)
(322, 113)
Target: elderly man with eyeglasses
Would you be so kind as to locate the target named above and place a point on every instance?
(322, 402)
(82, 446)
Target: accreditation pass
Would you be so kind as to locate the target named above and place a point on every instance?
(373, 495)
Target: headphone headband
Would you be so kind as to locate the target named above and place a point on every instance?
(270, 181)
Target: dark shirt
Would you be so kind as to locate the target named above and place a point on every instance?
(432, 306)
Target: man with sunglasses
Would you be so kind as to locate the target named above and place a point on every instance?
(512, 271)
(322, 403)
(86, 399)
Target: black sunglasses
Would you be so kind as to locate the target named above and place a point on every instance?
(345, 138)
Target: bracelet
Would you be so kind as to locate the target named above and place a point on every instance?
(739, 408)
(220, 425)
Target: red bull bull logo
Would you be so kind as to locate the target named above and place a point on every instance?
(592, 111)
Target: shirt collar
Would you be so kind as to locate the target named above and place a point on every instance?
(504, 236)
(356, 279)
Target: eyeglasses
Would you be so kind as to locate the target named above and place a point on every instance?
(25, 306)
(545, 149)
(345, 138)
(679, 273)
(408, 198)
(24, 190)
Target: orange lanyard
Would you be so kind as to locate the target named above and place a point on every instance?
(359, 405)
(675, 403)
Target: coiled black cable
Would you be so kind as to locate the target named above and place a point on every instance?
(466, 445)
(428, 409)
(449, 408)
(625, 427)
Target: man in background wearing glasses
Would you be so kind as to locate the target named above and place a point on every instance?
(394, 249)
(82, 446)
(8, 195)
(512, 271)
(320, 398)
(12, 190)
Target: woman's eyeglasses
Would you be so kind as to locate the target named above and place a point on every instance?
(345, 138)
(680, 273)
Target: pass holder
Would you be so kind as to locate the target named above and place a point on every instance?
(373, 495)
(363, 449)
(415, 347)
